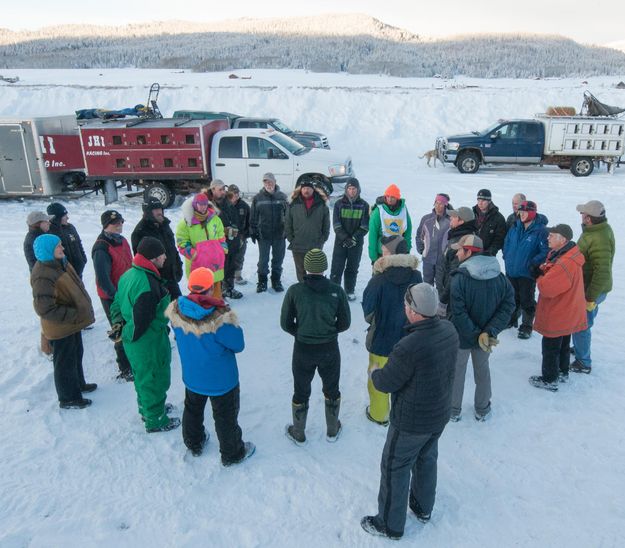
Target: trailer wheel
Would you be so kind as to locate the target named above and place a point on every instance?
(582, 167)
(161, 192)
(468, 162)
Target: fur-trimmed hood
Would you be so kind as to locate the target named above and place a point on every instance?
(198, 320)
(297, 194)
(389, 261)
(187, 209)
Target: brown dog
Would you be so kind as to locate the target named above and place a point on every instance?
(429, 155)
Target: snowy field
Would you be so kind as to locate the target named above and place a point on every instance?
(545, 471)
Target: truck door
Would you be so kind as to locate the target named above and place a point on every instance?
(265, 156)
(229, 165)
(15, 175)
(530, 143)
(501, 144)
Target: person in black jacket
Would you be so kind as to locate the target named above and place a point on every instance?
(243, 223)
(482, 301)
(419, 376)
(350, 219)
(315, 311)
(267, 228)
(72, 245)
(491, 225)
(155, 225)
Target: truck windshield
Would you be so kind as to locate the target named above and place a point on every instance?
(281, 126)
(292, 146)
(488, 130)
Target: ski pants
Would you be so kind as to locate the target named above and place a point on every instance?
(345, 263)
(308, 358)
(379, 402)
(68, 373)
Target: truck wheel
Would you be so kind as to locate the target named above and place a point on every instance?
(582, 167)
(161, 192)
(468, 162)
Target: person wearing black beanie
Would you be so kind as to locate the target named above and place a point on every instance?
(72, 244)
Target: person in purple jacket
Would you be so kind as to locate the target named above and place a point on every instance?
(208, 336)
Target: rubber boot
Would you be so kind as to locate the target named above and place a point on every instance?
(333, 423)
(296, 431)
(276, 284)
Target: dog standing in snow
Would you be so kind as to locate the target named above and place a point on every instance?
(429, 155)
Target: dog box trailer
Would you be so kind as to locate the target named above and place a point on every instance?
(36, 154)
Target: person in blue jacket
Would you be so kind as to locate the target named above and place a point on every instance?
(208, 336)
(524, 250)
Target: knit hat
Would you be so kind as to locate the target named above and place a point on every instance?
(464, 213)
(563, 230)
(269, 177)
(56, 210)
(529, 207)
(393, 191)
(442, 198)
(395, 244)
(152, 204)
(307, 182)
(200, 198)
(422, 298)
(111, 217)
(217, 183)
(352, 181)
(150, 248)
(594, 208)
(35, 217)
(484, 194)
(234, 189)
(200, 280)
(471, 242)
(315, 261)
(44, 247)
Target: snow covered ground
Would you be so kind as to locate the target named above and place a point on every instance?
(546, 470)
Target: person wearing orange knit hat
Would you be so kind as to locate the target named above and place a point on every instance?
(389, 217)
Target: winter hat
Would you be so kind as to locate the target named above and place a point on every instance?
(484, 194)
(464, 213)
(150, 248)
(200, 198)
(269, 177)
(217, 183)
(315, 261)
(563, 230)
(111, 217)
(594, 208)
(44, 247)
(35, 217)
(442, 198)
(393, 192)
(151, 205)
(422, 298)
(395, 244)
(234, 189)
(56, 210)
(352, 181)
(530, 207)
(471, 242)
(307, 182)
(201, 280)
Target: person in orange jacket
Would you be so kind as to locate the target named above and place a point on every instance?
(561, 308)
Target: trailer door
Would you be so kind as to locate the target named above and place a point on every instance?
(15, 175)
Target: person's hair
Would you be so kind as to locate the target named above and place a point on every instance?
(596, 220)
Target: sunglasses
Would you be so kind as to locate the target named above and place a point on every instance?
(408, 297)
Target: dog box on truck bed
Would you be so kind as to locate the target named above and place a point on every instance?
(36, 153)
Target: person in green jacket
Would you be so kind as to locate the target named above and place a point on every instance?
(389, 217)
(139, 308)
(315, 311)
(201, 239)
(597, 245)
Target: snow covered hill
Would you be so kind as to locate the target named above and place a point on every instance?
(546, 470)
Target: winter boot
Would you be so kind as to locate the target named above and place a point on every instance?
(579, 367)
(248, 450)
(89, 387)
(261, 286)
(198, 448)
(276, 284)
(539, 382)
(232, 293)
(333, 423)
(417, 510)
(174, 422)
(373, 526)
(75, 404)
(351, 296)
(296, 431)
(525, 332)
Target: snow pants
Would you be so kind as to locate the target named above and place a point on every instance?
(379, 402)
(307, 358)
(68, 373)
(409, 466)
(345, 263)
(556, 357)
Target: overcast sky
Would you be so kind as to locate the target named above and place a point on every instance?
(597, 22)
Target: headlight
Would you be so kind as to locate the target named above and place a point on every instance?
(453, 146)
(337, 170)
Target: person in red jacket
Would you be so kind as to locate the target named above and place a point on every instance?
(561, 308)
(111, 258)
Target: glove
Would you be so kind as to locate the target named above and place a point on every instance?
(590, 306)
(535, 270)
(115, 334)
(349, 242)
(372, 369)
(487, 342)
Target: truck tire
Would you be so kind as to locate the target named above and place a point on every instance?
(582, 167)
(161, 192)
(468, 162)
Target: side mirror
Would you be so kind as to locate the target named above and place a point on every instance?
(495, 135)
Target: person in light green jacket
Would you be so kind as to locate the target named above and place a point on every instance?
(139, 310)
(597, 245)
(389, 217)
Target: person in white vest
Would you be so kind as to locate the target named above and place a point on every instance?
(389, 217)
